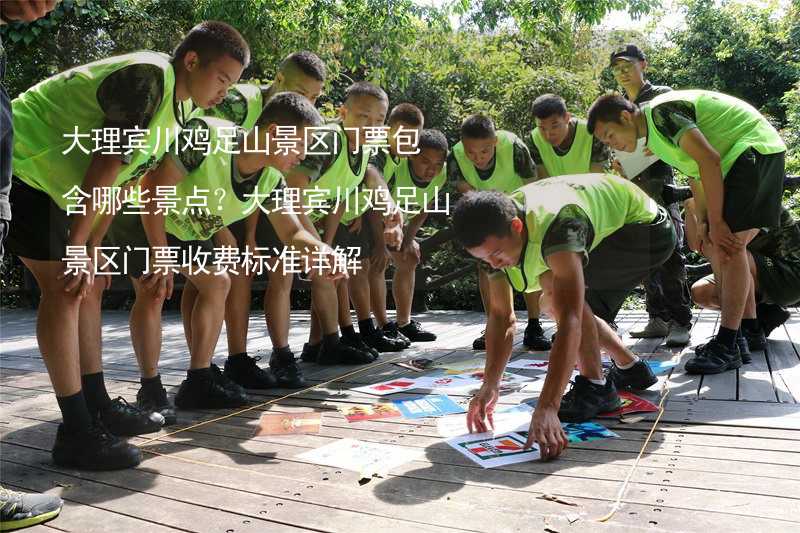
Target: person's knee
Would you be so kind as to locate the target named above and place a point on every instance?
(280, 282)
(546, 303)
(704, 294)
(219, 283)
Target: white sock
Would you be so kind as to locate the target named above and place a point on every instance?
(601, 382)
(629, 365)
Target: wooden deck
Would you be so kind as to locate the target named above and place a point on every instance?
(725, 455)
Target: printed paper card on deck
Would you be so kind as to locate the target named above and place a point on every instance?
(529, 364)
(390, 387)
(630, 404)
(443, 382)
(430, 405)
(587, 431)
(515, 418)
(660, 367)
(491, 450)
(366, 458)
(288, 423)
(357, 413)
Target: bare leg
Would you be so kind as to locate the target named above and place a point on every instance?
(377, 288)
(188, 299)
(237, 312)
(532, 302)
(277, 305)
(735, 284)
(589, 363)
(206, 316)
(90, 325)
(403, 285)
(145, 323)
(358, 285)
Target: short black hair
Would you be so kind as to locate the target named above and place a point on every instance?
(607, 108)
(477, 126)
(306, 62)
(433, 139)
(407, 114)
(365, 88)
(548, 105)
(479, 215)
(289, 109)
(212, 39)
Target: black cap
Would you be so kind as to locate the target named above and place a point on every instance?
(628, 52)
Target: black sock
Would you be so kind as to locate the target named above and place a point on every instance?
(366, 326)
(153, 383)
(533, 321)
(349, 331)
(330, 341)
(727, 337)
(750, 325)
(199, 374)
(237, 355)
(94, 391)
(74, 412)
(284, 352)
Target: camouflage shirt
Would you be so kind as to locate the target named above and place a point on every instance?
(130, 97)
(600, 152)
(523, 165)
(315, 165)
(673, 119)
(570, 231)
(234, 106)
(782, 242)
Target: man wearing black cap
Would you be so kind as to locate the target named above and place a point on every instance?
(668, 297)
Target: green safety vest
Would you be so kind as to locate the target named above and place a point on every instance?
(390, 166)
(609, 201)
(212, 179)
(577, 160)
(251, 94)
(730, 125)
(339, 181)
(360, 200)
(53, 108)
(414, 198)
(504, 178)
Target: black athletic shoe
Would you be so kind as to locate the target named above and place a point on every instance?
(413, 330)
(744, 349)
(357, 341)
(202, 393)
(376, 339)
(391, 330)
(480, 342)
(219, 377)
(713, 358)
(310, 352)
(126, 420)
(20, 509)
(286, 371)
(770, 316)
(155, 399)
(637, 377)
(585, 400)
(534, 338)
(243, 370)
(344, 354)
(756, 340)
(94, 449)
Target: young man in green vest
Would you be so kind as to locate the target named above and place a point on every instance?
(494, 160)
(587, 240)
(135, 102)
(736, 161)
(418, 180)
(303, 73)
(248, 178)
(774, 265)
(405, 122)
(325, 179)
(560, 143)
(669, 304)
(300, 72)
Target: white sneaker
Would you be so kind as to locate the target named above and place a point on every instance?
(655, 327)
(678, 335)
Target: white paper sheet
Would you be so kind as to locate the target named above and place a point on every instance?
(366, 458)
(491, 450)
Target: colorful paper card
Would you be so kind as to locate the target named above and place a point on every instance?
(443, 382)
(515, 418)
(661, 367)
(430, 405)
(389, 387)
(288, 423)
(587, 431)
(366, 458)
(630, 404)
(491, 450)
(357, 413)
(458, 367)
(529, 364)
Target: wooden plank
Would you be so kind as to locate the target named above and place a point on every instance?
(755, 380)
(783, 358)
(751, 414)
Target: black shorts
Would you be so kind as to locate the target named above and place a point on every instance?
(361, 243)
(623, 260)
(754, 191)
(265, 233)
(41, 229)
(127, 233)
